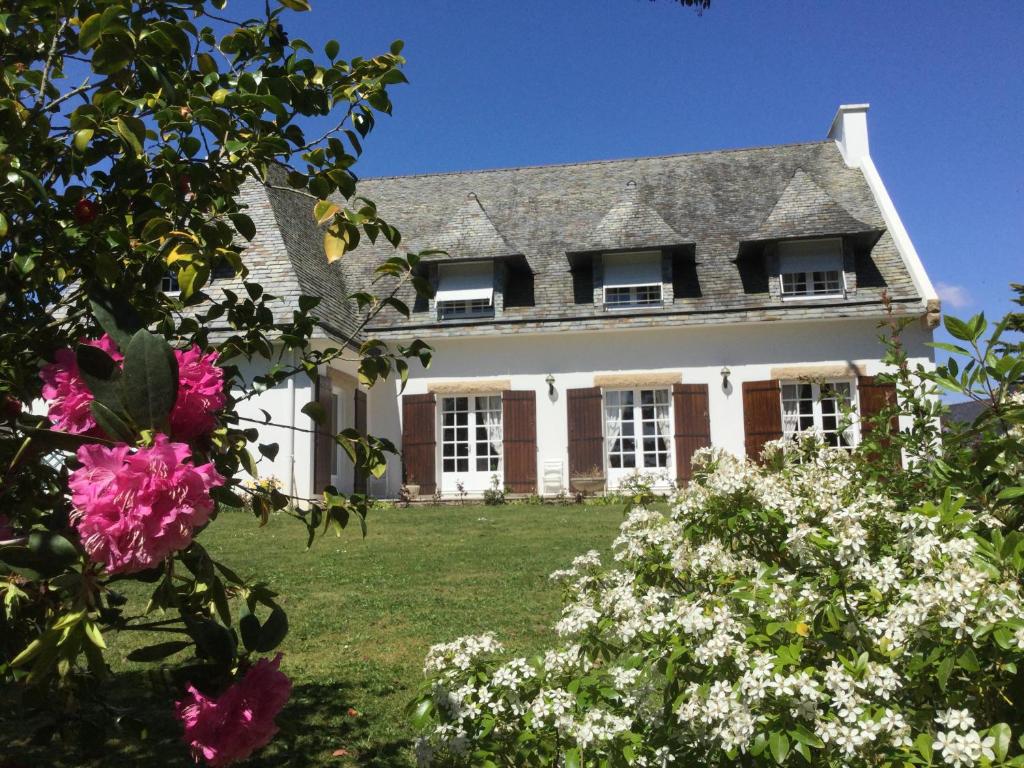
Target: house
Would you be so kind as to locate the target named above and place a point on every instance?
(604, 318)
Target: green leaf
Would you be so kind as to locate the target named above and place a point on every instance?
(273, 630)
(944, 671)
(778, 743)
(159, 651)
(324, 211)
(1014, 492)
(249, 627)
(82, 139)
(150, 380)
(111, 56)
(295, 5)
(315, 411)
(421, 715)
(111, 423)
(131, 134)
(331, 49)
(924, 746)
(244, 225)
(957, 328)
(572, 758)
(101, 375)
(90, 31)
(117, 318)
(1001, 733)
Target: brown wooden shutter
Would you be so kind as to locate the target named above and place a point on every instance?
(359, 417)
(519, 434)
(692, 425)
(323, 438)
(419, 444)
(873, 396)
(586, 436)
(762, 415)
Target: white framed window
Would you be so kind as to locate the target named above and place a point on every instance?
(632, 279)
(638, 432)
(819, 407)
(471, 441)
(465, 290)
(446, 310)
(169, 282)
(812, 269)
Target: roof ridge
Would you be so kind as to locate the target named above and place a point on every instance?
(606, 161)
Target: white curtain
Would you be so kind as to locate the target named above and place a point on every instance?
(493, 424)
(661, 419)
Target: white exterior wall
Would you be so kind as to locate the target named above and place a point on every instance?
(294, 461)
(749, 350)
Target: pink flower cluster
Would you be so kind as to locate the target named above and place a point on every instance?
(233, 725)
(200, 392)
(135, 506)
(65, 392)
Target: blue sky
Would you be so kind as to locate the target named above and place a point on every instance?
(520, 83)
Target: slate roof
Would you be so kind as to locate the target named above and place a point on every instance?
(715, 200)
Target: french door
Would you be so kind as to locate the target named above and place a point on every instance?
(471, 443)
(638, 433)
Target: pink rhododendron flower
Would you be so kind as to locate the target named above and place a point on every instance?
(67, 397)
(233, 725)
(135, 506)
(200, 393)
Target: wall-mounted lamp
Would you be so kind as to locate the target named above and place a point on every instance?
(550, 381)
(725, 377)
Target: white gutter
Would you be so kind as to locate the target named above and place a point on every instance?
(291, 432)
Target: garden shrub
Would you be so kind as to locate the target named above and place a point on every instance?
(821, 608)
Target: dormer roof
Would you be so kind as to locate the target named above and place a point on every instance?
(470, 234)
(806, 210)
(629, 224)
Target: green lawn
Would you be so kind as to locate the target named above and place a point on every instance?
(363, 613)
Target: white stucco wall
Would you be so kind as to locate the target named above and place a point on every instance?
(749, 350)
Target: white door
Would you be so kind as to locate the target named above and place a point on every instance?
(638, 434)
(471, 446)
(342, 418)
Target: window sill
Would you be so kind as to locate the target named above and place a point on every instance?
(626, 307)
(815, 297)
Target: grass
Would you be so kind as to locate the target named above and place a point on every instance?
(363, 613)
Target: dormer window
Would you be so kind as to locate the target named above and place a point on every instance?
(465, 290)
(811, 269)
(632, 280)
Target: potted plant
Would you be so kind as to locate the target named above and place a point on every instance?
(412, 489)
(589, 481)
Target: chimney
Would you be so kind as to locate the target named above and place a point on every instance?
(850, 131)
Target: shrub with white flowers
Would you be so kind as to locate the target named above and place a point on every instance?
(792, 612)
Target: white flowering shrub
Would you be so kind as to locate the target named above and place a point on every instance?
(785, 615)
(820, 608)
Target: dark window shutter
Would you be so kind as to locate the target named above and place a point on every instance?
(692, 425)
(586, 435)
(323, 439)
(359, 478)
(418, 441)
(519, 435)
(762, 415)
(873, 396)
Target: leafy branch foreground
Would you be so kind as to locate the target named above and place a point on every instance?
(818, 608)
(129, 134)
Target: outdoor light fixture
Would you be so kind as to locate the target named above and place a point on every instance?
(725, 377)
(550, 380)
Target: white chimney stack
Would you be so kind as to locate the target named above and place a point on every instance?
(850, 131)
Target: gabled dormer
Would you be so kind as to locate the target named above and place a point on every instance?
(479, 273)
(807, 248)
(631, 259)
